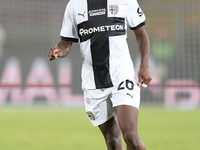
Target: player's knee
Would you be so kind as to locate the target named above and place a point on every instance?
(133, 141)
(113, 143)
(141, 146)
(130, 140)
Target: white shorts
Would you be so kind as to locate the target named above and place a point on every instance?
(100, 103)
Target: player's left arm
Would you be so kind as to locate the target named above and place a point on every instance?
(143, 45)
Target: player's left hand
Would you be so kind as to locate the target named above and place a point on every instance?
(144, 77)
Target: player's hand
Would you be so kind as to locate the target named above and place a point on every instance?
(144, 77)
(54, 53)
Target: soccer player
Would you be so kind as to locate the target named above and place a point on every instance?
(108, 83)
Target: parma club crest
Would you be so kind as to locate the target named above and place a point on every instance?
(90, 115)
(113, 9)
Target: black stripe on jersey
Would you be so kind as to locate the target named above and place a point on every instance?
(69, 39)
(98, 29)
(138, 26)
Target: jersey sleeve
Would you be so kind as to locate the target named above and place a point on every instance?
(134, 15)
(69, 29)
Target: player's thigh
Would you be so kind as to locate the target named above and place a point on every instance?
(127, 117)
(111, 132)
(126, 101)
(110, 128)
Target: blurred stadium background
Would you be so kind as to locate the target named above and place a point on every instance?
(29, 28)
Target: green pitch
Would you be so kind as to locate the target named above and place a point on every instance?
(70, 129)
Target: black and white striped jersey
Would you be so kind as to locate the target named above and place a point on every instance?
(100, 27)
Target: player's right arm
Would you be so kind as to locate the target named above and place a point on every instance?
(60, 50)
(68, 34)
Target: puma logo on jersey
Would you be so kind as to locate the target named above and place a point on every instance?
(139, 11)
(83, 14)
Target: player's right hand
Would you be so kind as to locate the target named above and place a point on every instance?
(54, 53)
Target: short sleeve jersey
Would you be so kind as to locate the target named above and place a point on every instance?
(100, 26)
